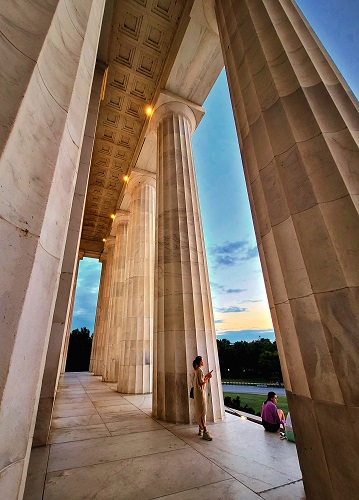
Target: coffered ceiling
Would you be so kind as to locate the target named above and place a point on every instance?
(138, 49)
(155, 51)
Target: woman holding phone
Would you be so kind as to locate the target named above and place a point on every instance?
(200, 398)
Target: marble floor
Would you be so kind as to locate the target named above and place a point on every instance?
(104, 445)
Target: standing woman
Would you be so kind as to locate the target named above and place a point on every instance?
(200, 398)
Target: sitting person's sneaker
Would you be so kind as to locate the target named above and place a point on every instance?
(207, 436)
(200, 431)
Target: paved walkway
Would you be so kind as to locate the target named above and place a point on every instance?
(104, 445)
(253, 389)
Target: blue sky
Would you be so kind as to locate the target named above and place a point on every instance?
(238, 294)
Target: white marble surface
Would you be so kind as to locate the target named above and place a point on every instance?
(184, 326)
(136, 457)
(135, 342)
(296, 123)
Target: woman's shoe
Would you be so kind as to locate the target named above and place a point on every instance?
(200, 432)
(207, 436)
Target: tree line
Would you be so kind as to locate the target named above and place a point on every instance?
(79, 351)
(249, 360)
(242, 360)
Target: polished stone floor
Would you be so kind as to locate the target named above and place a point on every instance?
(104, 445)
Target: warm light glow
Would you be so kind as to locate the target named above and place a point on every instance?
(113, 216)
(149, 111)
(104, 240)
(126, 178)
(243, 417)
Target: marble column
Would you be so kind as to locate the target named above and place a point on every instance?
(136, 343)
(52, 48)
(297, 124)
(116, 302)
(184, 326)
(101, 312)
(61, 323)
(106, 307)
(97, 327)
(65, 347)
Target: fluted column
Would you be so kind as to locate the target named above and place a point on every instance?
(104, 344)
(297, 123)
(52, 47)
(65, 347)
(184, 326)
(115, 315)
(97, 327)
(62, 318)
(136, 345)
(100, 317)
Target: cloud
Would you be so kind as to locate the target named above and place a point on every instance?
(226, 260)
(251, 301)
(80, 311)
(231, 309)
(230, 253)
(215, 287)
(86, 294)
(251, 253)
(229, 247)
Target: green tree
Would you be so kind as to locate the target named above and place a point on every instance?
(255, 359)
(79, 352)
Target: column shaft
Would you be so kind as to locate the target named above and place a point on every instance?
(136, 345)
(297, 125)
(61, 323)
(105, 337)
(52, 48)
(102, 311)
(116, 302)
(65, 347)
(97, 327)
(184, 326)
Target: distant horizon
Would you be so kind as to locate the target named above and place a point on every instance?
(246, 335)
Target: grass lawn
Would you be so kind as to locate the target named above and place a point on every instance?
(256, 400)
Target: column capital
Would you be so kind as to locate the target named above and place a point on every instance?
(109, 243)
(169, 103)
(204, 14)
(122, 218)
(139, 177)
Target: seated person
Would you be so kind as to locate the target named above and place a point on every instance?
(272, 418)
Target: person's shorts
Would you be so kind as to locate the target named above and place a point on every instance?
(270, 427)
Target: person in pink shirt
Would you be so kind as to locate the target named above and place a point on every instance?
(272, 418)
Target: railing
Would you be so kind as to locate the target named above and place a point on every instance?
(253, 384)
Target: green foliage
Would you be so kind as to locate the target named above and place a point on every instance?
(236, 404)
(79, 352)
(255, 401)
(248, 360)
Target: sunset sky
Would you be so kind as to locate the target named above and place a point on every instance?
(239, 300)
